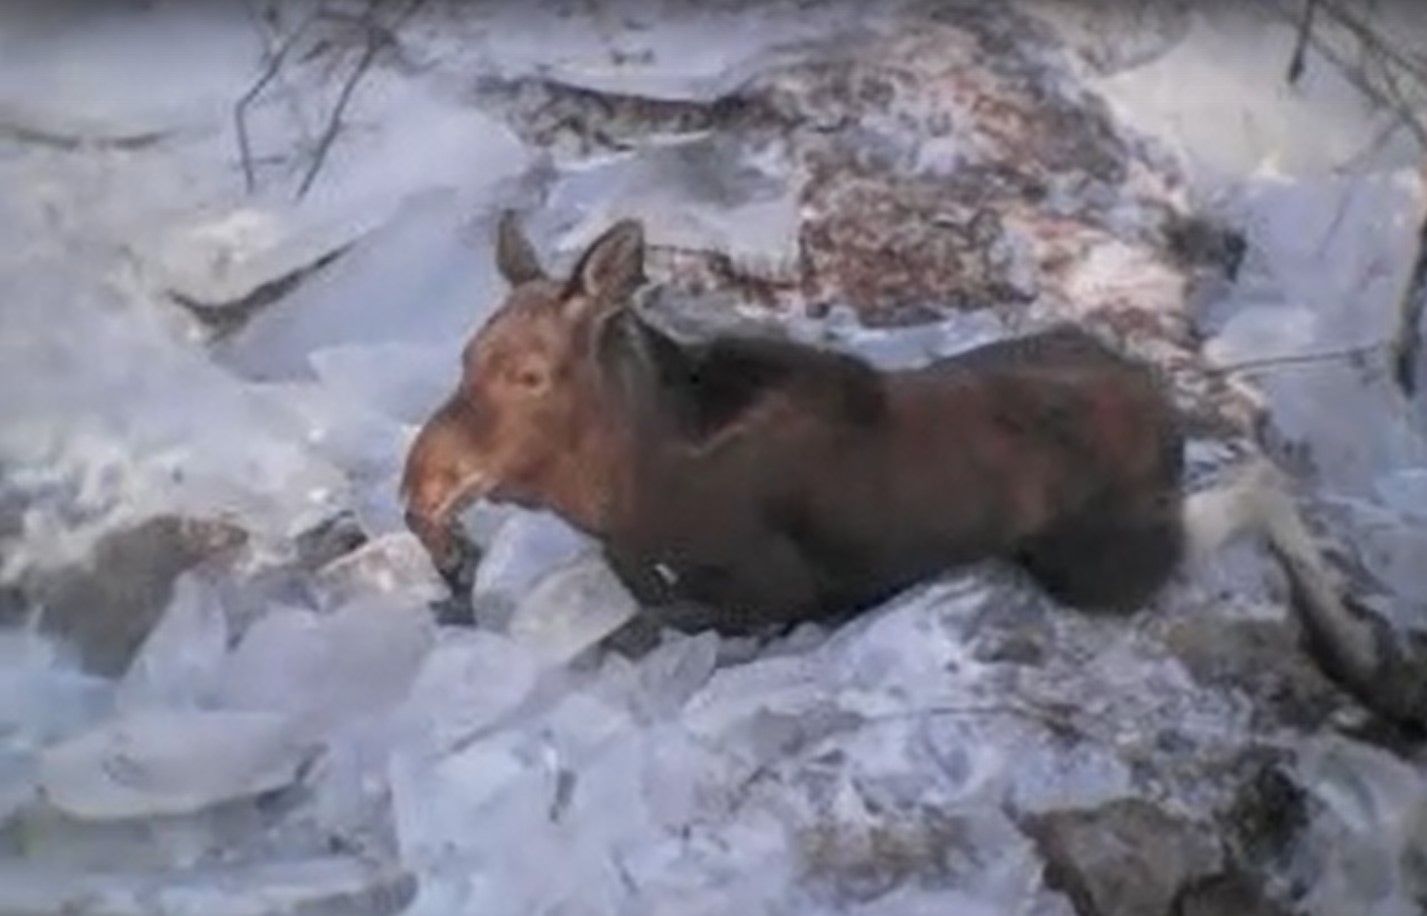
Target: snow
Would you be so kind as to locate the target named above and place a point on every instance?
(293, 738)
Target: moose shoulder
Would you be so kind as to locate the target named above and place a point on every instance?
(775, 482)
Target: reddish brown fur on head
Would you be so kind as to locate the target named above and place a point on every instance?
(520, 422)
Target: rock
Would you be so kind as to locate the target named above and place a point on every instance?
(156, 762)
(867, 861)
(329, 540)
(1229, 894)
(1124, 858)
(1268, 812)
(1259, 657)
(106, 607)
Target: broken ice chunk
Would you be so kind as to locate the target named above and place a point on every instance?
(330, 884)
(17, 780)
(169, 762)
(402, 381)
(327, 669)
(674, 672)
(42, 697)
(572, 609)
(179, 662)
(526, 547)
(412, 281)
(394, 565)
(468, 681)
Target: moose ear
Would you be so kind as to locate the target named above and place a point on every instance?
(514, 255)
(612, 267)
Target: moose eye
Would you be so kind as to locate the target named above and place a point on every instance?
(530, 378)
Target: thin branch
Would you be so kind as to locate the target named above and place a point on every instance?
(1407, 342)
(1270, 362)
(1300, 49)
(240, 110)
(1370, 37)
(377, 38)
(1374, 44)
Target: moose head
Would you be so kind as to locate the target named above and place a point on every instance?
(523, 423)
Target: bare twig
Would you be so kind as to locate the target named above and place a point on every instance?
(378, 37)
(1407, 341)
(1295, 359)
(1300, 49)
(1373, 39)
(240, 110)
(1387, 55)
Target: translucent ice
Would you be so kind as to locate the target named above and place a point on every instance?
(180, 662)
(468, 681)
(328, 885)
(415, 281)
(157, 762)
(572, 609)
(525, 548)
(394, 566)
(326, 669)
(673, 672)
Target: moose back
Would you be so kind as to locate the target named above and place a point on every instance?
(773, 482)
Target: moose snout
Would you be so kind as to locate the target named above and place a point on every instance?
(442, 476)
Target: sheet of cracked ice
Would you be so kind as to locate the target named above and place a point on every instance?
(781, 783)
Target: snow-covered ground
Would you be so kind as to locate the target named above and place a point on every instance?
(222, 685)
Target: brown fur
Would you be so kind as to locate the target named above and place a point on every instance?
(776, 482)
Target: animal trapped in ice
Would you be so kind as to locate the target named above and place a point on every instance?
(774, 482)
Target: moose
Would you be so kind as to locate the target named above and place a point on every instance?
(774, 482)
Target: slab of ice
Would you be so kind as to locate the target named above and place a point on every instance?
(394, 566)
(700, 195)
(18, 780)
(321, 670)
(419, 280)
(471, 679)
(525, 548)
(44, 696)
(572, 609)
(403, 381)
(1243, 115)
(1328, 264)
(336, 885)
(111, 71)
(624, 49)
(180, 662)
(158, 762)
(674, 672)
